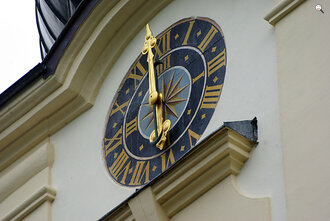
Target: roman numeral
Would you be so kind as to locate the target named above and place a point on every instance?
(167, 160)
(185, 41)
(164, 44)
(209, 36)
(194, 135)
(119, 108)
(140, 173)
(198, 77)
(131, 127)
(217, 62)
(113, 142)
(137, 75)
(119, 167)
(211, 96)
(162, 67)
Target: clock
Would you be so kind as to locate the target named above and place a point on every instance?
(189, 74)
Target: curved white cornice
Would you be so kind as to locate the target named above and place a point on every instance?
(280, 10)
(47, 106)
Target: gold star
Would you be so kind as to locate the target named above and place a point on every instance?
(130, 170)
(154, 168)
(127, 91)
(114, 125)
(199, 33)
(116, 154)
(214, 48)
(176, 36)
(186, 58)
(182, 148)
(203, 116)
(188, 112)
(215, 79)
(140, 93)
(141, 147)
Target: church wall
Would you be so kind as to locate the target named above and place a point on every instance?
(304, 88)
(84, 189)
(225, 202)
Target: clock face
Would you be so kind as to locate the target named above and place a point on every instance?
(190, 79)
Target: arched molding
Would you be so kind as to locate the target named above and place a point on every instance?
(282, 9)
(48, 105)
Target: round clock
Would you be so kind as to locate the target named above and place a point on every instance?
(189, 77)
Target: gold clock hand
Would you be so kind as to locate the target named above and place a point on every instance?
(149, 43)
(155, 98)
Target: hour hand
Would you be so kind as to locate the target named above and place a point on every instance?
(153, 97)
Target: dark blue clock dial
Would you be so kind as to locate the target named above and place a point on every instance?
(191, 78)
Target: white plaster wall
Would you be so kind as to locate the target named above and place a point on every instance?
(304, 84)
(84, 189)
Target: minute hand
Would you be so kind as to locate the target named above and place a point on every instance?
(155, 98)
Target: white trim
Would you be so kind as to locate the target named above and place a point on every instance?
(45, 193)
(280, 10)
(32, 164)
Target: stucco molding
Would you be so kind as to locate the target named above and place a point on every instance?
(221, 155)
(122, 213)
(26, 167)
(282, 9)
(73, 88)
(45, 193)
(26, 184)
(149, 210)
(215, 161)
